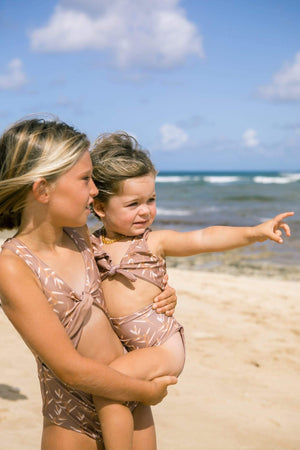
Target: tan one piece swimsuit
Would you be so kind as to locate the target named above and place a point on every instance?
(62, 405)
(143, 328)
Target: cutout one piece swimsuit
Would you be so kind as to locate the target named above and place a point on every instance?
(62, 405)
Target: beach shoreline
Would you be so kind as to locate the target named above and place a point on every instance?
(239, 389)
(267, 260)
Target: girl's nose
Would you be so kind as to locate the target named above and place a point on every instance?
(93, 190)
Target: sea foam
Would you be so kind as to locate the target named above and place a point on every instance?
(173, 212)
(221, 179)
(281, 179)
(176, 179)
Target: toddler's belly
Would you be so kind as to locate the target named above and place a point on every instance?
(123, 297)
(145, 328)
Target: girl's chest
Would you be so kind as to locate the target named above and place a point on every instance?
(68, 271)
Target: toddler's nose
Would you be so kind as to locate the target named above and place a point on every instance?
(144, 210)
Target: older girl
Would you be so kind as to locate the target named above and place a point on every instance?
(50, 290)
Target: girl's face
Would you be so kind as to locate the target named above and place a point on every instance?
(72, 194)
(131, 211)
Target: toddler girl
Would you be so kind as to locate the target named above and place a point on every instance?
(131, 257)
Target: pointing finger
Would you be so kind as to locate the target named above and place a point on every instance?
(283, 216)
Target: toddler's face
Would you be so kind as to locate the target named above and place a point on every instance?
(133, 210)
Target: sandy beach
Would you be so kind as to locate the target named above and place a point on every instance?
(239, 390)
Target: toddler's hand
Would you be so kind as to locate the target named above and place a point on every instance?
(272, 228)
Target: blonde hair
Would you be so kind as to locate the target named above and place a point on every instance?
(117, 157)
(32, 149)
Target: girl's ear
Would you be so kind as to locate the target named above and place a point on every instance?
(99, 208)
(41, 190)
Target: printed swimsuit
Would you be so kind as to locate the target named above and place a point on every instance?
(63, 406)
(144, 328)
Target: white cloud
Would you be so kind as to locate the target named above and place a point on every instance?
(250, 138)
(145, 34)
(172, 137)
(286, 83)
(14, 77)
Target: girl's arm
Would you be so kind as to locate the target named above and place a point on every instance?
(28, 310)
(166, 301)
(219, 238)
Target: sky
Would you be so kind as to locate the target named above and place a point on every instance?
(203, 85)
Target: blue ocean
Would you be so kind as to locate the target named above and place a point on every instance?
(191, 200)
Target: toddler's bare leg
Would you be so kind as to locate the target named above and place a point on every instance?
(116, 424)
(144, 431)
(146, 363)
(115, 418)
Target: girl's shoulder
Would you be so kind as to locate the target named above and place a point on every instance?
(13, 272)
(8, 255)
(10, 262)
